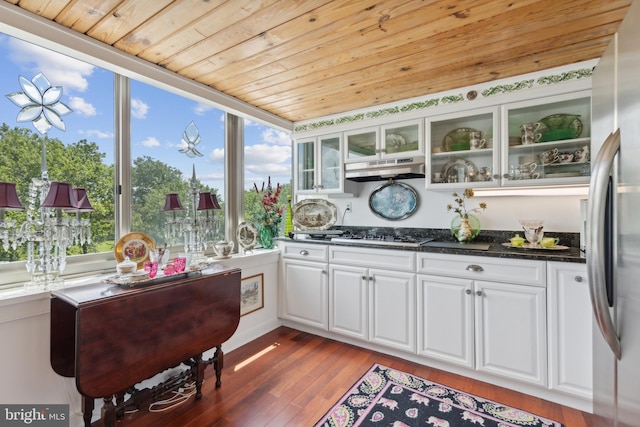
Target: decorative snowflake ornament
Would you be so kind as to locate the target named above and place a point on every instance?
(40, 104)
(191, 137)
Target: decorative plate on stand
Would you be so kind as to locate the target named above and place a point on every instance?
(393, 201)
(247, 235)
(314, 214)
(136, 246)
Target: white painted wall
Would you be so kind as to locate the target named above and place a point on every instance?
(561, 213)
(25, 369)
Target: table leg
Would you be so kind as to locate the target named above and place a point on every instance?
(87, 410)
(199, 367)
(218, 361)
(108, 412)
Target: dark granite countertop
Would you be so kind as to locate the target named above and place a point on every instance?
(494, 239)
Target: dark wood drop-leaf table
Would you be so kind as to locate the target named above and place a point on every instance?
(111, 337)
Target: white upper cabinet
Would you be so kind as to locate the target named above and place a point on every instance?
(523, 131)
(318, 164)
(387, 141)
(547, 141)
(463, 148)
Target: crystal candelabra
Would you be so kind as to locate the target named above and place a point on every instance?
(48, 230)
(197, 230)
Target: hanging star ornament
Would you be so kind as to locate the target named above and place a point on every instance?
(40, 104)
(191, 137)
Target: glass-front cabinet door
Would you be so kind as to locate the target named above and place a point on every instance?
(402, 139)
(318, 164)
(305, 165)
(330, 163)
(463, 150)
(387, 141)
(547, 141)
(362, 145)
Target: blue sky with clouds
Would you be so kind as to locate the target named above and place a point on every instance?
(157, 123)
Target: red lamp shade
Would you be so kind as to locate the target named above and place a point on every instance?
(172, 203)
(9, 196)
(214, 199)
(84, 205)
(60, 196)
(207, 201)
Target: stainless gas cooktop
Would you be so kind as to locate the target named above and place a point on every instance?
(404, 241)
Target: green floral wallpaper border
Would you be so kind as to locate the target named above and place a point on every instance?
(449, 99)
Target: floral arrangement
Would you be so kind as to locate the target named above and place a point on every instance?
(272, 215)
(461, 209)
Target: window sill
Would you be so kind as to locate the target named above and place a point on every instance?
(16, 303)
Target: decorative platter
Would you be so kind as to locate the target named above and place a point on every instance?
(314, 214)
(450, 170)
(247, 235)
(136, 246)
(530, 247)
(557, 127)
(457, 139)
(393, 201)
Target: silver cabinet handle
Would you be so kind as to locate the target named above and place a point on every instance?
(371, 278)
(304, 252)
(364, 277)
(324, 271)
(578, 279)
(474, 267)
(596, 210)
(467, 291)
(479, 293)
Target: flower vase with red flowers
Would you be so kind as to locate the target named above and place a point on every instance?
(269, 219)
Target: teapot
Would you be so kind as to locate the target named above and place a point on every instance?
(223, 248)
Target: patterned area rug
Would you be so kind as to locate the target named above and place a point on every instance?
(388, 397)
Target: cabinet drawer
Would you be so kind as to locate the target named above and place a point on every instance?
(309, 252)
(373, 258)
(526, 272)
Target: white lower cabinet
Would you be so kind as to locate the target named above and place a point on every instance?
(349, 301)
(445, 319)
(392, 309)
(524, 320)
(511, 325)
(570, 328)
(304, 286)
(494, 327)
(377, 305)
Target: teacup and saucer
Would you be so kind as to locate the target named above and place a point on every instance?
(549, 156)
(549, 242)
(565, 157)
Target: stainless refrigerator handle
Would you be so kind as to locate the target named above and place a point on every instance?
(596, 252)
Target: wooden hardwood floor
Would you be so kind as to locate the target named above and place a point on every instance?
(291, 378)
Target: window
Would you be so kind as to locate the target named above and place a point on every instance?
(92, 137)
(159, 120)
(83, 155)
(267, 154)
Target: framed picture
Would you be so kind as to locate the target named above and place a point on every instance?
(251, 294)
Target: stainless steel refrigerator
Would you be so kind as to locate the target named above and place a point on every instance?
(613, 237)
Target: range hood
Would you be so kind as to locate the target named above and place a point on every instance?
(382, 170)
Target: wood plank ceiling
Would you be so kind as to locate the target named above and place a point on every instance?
(306, 59)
